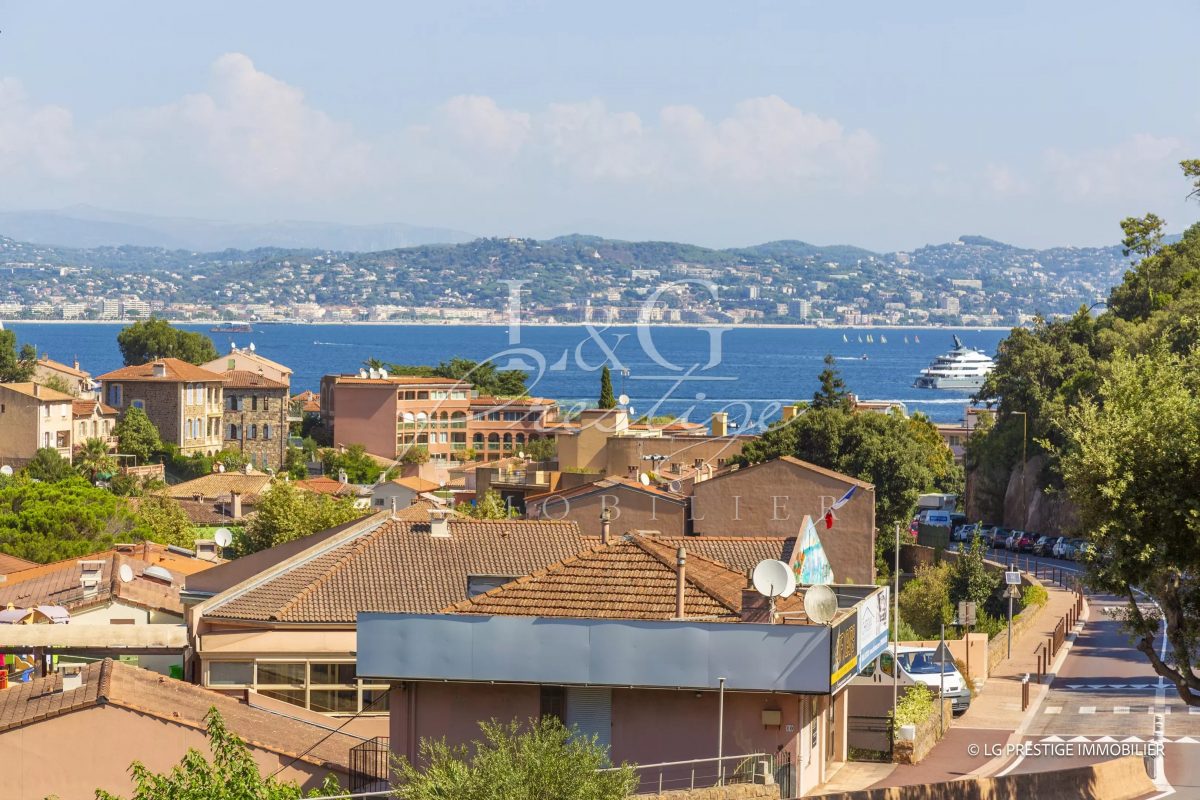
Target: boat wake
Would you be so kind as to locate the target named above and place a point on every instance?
(334, 344)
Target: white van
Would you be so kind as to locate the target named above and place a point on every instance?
(936, 519)
(919, 665)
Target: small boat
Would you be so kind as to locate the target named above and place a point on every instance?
(870, 340)
(860, 339)
(916, 339)
(906, 340)
(845, 338)
(882, 339)
(231, 327)
(864, 357)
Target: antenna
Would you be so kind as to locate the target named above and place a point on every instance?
(773, 578)
(125, 573)
(223, 537)
(820, 603)
(644, 479)
(623, 400)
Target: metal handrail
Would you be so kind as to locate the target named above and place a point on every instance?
(682, 763)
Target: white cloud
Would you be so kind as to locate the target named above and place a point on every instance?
(37, 140)
(477, 123)
(1125, 169)
(1003, 181)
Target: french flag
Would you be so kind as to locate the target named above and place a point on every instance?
(829, 516)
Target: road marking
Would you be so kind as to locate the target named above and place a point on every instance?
(1092, 687)
(1053, 710)
(1194, 709)
(1120, 709)
(1087, 709)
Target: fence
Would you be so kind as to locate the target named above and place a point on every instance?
(369, 765)
(704, 772)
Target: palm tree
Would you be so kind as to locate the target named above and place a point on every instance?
(93, 459)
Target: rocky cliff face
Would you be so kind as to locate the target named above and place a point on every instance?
(999, 498)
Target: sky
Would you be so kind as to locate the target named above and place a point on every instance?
(886, 125)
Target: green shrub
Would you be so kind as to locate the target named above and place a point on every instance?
(1034, 595)
(915, 705)
(986, 623)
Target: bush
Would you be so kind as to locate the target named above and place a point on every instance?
(925, 601)
(1034, 595)
(915, 705)
(992, 626)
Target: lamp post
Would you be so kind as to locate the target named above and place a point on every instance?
(1024, 442)
(896, 637)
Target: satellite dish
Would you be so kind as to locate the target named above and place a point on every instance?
(232, 345)
(342, 477)
(774, 579)
(644, 479)
(125, 573)
(521, 454)
(252, 347)
(223, 537)
(820, 603)
(675, 486)
(623, 400)
(6, 470)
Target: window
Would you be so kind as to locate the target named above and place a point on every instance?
(233, 432)
(138, 404)
(254, 403)
(64, 439)
(266, 430)
(46, 439)
(553, 702)
(46, 410)
(286, 673)
(266, 404)
(253, 431)
(230, 673)
(478, 584)
(114, 395)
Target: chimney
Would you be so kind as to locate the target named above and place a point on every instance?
(72, 676)
(394, 505)
(76, 362)
(605, 525)
(789, 412)
(720, 423)
(37, 390)
(439, 523)
(680, 578)
(235, 502)
(160, 369)
(89, 576)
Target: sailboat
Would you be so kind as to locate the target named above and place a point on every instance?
(860, 339)
(845, 338)
(906, 340)
(869, 339)
(916, 339)
(882, 339)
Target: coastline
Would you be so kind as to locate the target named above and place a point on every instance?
(524, 324)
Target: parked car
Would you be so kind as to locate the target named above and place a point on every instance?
(919, 665)
(1071, 549)
(1010, 541)
(1043, 545)
(1059, 548)
(1083, 551)
(1025, 542)
(999, 535)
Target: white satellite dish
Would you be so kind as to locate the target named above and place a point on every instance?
(644, 479)
(623, 400)
(342, 477)
(774, 579)
(252, 347)
(820, 603)
(223, 537)
(521, 454)
(6, 470)
(232, 345)
(675, 486)
(125, 573)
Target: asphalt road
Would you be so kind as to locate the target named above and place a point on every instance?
(1106, 696)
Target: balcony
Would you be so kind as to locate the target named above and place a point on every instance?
(539, 479)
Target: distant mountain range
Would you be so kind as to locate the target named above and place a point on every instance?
(83, 226)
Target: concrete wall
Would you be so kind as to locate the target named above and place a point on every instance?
(631, 509)
(929, 733)
(364, 415)
(623, 452)
(770, 499)
(94, 747)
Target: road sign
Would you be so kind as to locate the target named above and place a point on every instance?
(1013, 592)
(943, 654)
(966, 612)
(1012, 578)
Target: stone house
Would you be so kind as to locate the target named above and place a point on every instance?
(255, 419)
(182, 400)
(78, 381)
(249, 360)
(33, 416)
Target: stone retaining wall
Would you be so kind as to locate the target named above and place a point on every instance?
(929, 732)
(740, 791)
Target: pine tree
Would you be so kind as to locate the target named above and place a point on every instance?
(606, 391)
(833, 392)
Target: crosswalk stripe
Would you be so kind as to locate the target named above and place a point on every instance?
(1087, 709)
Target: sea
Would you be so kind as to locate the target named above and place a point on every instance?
(748, 372)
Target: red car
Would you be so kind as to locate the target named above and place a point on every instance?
(1026, 543)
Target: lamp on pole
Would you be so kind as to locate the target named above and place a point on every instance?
(1024, 442)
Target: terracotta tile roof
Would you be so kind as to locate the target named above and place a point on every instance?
(253, 355)
(383, 564)
(218, 485)
(58, 584)
(84, 408)
(609, 483)
(245, 379)
(175, 702)
(631, 578)
(323, 484)
(210, 512)
(58, 366)
(306, 395)
(13, 564)
(739, 553)
(42, 392)
(396, 380)
(176, 371)
(417, 484)
(822, 471)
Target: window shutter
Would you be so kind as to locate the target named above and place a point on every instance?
(590, 710)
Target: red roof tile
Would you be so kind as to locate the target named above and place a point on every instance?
(176, 371)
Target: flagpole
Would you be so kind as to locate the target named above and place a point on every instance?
(896, 639)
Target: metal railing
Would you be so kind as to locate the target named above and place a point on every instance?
(699, 773)
(370, 763)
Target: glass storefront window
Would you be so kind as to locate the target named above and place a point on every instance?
(230, 673)
(325, 674)
(272, 673)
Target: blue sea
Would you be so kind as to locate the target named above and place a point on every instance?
(673, 370)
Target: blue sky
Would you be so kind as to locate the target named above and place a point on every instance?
(881, 124)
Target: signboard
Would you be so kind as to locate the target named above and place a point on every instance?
(843, 655)
(873, 625)
(966, 612)
(1012, 578)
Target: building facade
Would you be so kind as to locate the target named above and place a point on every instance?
(33, 416)
(249, 360)
(185, 402)
(78, 382)
(94, 420)
(255, 420)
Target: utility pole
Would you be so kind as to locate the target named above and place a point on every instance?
(896, 636)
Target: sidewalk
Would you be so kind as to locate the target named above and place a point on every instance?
(995, 716)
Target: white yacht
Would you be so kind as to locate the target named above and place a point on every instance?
(962, 368)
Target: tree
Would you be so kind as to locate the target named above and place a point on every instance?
(232, 774)
(16, 366)
(970, 578)
(1143, 235)
(93, 460)
(48, 466)
(416, 454)
(155, 338)
(490, 506)
(515, 761)
(52, 521)
(59, 384)
(1191, 171)
(833, 392)
(165, 521)
(483, 375)
(358, 464)
(1130, 466)
(925, 600)
(136, 435)
(544, 448)
(606, 391)
(286, 513)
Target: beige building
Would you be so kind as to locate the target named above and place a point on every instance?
(248, 360)
(78, 382)
(630, 507)
(182, 400)
(33, 416)
(94, 420)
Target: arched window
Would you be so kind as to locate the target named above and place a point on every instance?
(520, 439)
(478, 440)
(458, 420)
(266, 430)
(508, 441)
(422, 418)
(233, 432)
